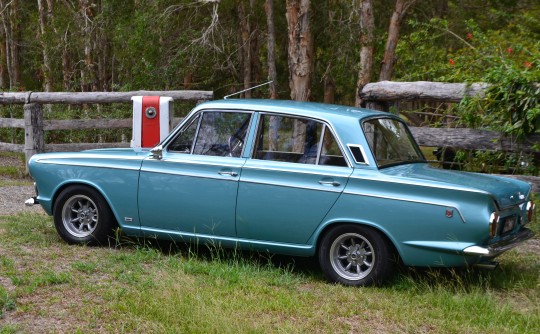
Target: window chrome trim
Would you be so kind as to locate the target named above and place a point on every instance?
(315, 172)
(409, 133)
(189, 119)
(324, 122)
(366, 161)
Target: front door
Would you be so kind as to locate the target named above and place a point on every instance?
(193, 188)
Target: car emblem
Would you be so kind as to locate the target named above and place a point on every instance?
(449, 213)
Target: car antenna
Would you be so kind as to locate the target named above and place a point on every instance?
(245, 90)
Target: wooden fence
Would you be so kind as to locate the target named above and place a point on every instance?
(384, 94)
(378, 95)
(35, 126)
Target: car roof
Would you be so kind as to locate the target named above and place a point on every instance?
(311, 109)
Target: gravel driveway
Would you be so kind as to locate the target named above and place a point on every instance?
(12, 200)
(12, 197)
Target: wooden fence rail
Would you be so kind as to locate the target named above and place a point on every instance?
(35, 126)
(380, 95)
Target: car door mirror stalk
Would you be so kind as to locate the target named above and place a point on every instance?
(157, 152)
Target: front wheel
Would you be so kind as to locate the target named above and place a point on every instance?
(355, 255)
(82, 216)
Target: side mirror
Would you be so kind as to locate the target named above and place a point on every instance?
(157, 152)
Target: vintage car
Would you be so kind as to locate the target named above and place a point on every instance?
(347, 185)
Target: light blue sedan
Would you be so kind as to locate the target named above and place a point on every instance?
(347, 185)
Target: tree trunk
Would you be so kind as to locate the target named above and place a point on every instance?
(12, 31)
(245, 47)
(87, 13)
(3, 65)
(367, 27)
(329, 89)
(300, 49)
(393, 33)
(67, 72)
(271, 42)
(188, 79)
(43, 24)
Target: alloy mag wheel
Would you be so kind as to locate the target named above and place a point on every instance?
(80, 216)
(352, 256)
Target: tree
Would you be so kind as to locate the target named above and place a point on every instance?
(367, 32)
(9, 13)
(45, 14)
(300, 49)
(271, 46)
(393, 33)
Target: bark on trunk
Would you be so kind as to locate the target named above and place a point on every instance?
(87, 20)
(245, 48)
(329, 89)
(367, 27)
(271, 46)
(393, 34)
(300, 49)
(3, 65)
(10, 21)
(43, 24)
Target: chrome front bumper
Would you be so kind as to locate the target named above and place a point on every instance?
(501, 246)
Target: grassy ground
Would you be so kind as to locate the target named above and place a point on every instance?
(137, 286)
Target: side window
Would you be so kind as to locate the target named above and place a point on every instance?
(298, 140)
(330, 153)
(184, 140)
(216, 134)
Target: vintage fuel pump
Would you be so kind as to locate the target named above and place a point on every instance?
(151, 120)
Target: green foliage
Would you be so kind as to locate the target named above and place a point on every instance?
(512, 102)
(503, 54)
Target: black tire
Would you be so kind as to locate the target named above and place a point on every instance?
(82, 216)
(356, 255)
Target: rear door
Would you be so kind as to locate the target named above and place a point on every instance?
(296, 174)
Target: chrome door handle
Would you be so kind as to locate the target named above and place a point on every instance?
(227, 172)
(330, 183)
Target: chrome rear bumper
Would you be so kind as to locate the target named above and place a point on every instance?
(501, 246)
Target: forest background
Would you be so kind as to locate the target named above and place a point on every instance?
(324, 51)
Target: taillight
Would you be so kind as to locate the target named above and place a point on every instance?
(530, 210)
(493, 224)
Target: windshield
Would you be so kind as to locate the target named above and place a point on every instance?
(391, 142)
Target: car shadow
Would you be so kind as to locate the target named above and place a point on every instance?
(303, 266)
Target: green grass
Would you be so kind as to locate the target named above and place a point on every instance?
(144, 286)
(15, 170)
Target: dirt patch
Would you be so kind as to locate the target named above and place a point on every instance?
(11, 160)
(12, 197)
(12, 200)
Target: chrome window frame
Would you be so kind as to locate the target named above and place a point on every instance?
(324, 122)
(201, 113)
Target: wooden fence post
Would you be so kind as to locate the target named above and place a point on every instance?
(34, 138)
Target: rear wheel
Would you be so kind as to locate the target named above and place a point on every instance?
(355, 255)
(82, 216)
